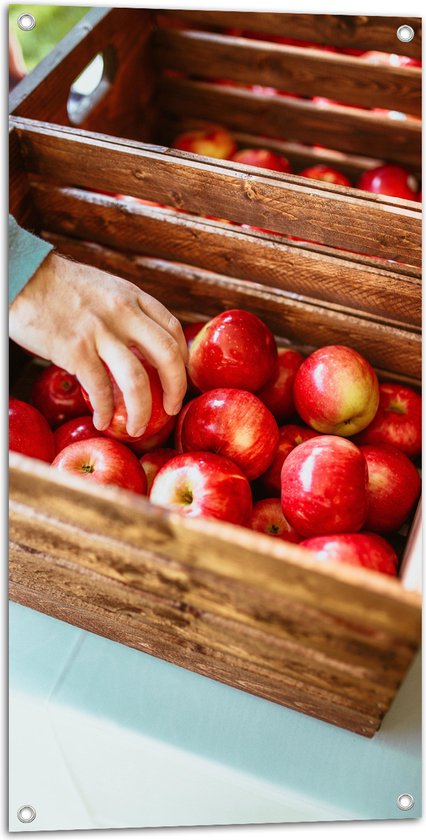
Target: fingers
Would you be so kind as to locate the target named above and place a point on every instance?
(132, 381)
(155, 310)
(164, 353)
(95, 380)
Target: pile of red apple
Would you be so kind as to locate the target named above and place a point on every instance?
(309, 450)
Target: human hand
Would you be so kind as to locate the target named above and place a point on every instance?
(82, 319)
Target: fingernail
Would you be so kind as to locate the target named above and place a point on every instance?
(98, 425)
(137, 433)
(174, 410)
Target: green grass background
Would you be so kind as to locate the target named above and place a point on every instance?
(52, 23)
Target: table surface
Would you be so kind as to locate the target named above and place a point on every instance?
(102, 735)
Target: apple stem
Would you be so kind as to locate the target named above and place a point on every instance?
(87, 468)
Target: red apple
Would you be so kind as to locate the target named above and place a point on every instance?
(153, 461)
(336, 391)
(190, 331)
(290, 436)
(268, 518)
(179, 426)
(392, 59)
(153, 441)
(389, 179)
(158, 420)
(58, 395)
(103, 461)
(393, 487)
(263, 158)
(363, 549)
(321, 172)
(80, 428)
(277, 393)
(29, 431)
(398, 420)
(204, 484)
(233, 350)
(324, 487)
(213, 141)
(233, 423)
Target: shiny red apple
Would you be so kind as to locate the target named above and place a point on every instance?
(363, 549)
(389, 179)
(204, 484)
(336, 391)
(392, 59)
(158, 420)
(147, 444)
(80, 428)
(398, 420)
(103, 461)
(233, 423)
(321, 172)
(179, 426)
(290, 436)
(268, 518)
(213, 141)
(263, 158)
(233, 350)
(277, 393)
(29, 431)
(58, 395)
(324, 487)
(152, 462)
(190, 331)
(393, 487)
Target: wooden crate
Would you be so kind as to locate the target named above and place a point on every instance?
(331, 641)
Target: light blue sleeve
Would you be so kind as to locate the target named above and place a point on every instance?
(26, 254)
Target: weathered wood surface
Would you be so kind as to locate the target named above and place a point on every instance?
(125, 108)
(346, 129)
(299, 154)
(181, 286)
(320, 212)
(21, 205)
(228, 250)
(305, 72)
(365, 32)
(333, 642)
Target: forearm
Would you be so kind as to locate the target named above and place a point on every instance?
(26, 254)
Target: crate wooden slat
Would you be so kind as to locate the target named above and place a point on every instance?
(387, 292)
(306, 72)
(330, 641)
(321, 212)
(228, 611)
(346, 129)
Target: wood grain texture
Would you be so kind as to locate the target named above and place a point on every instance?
(299, 154)
(266, 618)
(305, 72)
(345, 129)
(125, 108)
(20, 201)
(365, 32)
(228, 250)
(181, 286)
(320, 212)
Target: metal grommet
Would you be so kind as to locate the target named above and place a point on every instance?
(26, 22)
(26, 813)
(405, 33)
(405, 801)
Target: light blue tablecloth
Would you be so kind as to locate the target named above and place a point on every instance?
(305, 768)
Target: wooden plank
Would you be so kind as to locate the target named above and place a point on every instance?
(255, 623)
(181, 286)
(300, 155)
(20, 200)
(323, 213)
(305, 72)
(345, 129)
(365, 32)
(227, 250)
(124, 34)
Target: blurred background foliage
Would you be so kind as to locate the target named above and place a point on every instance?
(52, 23)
